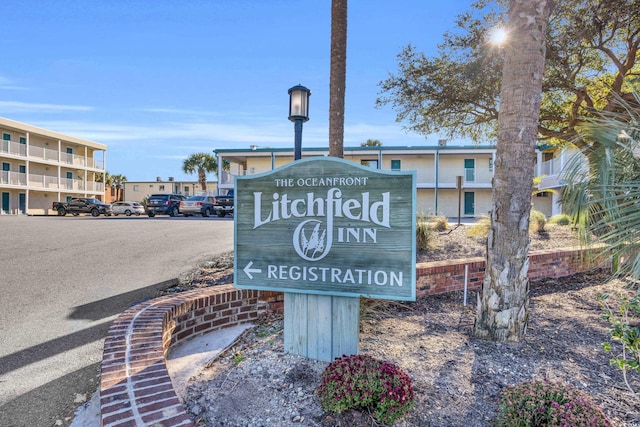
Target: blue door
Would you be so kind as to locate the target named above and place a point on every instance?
(5, 202)
(22, 203)
(69, 180)
(469, 203)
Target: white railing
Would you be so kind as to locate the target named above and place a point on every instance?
(13, 178)
(469, 174)
(14, 148)
(97, 187)
(552, 167)
(43, 181)
(43, 153)
(72, 159)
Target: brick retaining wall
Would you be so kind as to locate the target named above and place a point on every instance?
(135, 387)
(445, 276)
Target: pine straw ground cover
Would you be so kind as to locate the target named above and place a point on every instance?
(457, 379)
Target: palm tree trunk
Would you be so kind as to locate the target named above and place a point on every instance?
(337, 84)
(504, 300)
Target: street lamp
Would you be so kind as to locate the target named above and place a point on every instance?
(298, 113)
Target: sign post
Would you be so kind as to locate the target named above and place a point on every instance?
(325, 231)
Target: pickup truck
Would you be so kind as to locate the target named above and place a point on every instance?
(223, 205)
(80, 205)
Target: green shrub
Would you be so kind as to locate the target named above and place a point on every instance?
(560, 219)
(537, 221)
(624, 317)
(544, 403)
(361, 381)
(439, 223)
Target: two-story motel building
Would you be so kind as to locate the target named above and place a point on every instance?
(40, 166)
(437, 169)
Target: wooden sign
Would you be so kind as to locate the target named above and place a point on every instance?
(326, 226)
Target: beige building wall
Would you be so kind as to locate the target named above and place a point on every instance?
(137, 191)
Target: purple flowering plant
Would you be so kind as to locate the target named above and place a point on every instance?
(545, 403)
(363, 382)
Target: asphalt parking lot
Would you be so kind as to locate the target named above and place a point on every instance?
(62, 282)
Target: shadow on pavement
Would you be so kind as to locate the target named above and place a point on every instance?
(50, 402)
(116, 304)
(56, 400)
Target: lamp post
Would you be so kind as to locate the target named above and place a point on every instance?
(298, 114)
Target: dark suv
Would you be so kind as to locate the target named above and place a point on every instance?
(164, 204)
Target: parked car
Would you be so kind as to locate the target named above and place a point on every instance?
(80, 205)
(164, 204)
(223, 205)
(200, 205)
(127, 208)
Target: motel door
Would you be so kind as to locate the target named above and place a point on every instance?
(469, 203)
(22, 203)
(5, 202)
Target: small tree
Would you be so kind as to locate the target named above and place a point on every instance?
(200, 163)
(118, 182)
(371, 143)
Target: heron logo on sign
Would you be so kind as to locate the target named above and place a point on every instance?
(309, 240)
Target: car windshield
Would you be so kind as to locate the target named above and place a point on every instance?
(197, 198)
(96, 201)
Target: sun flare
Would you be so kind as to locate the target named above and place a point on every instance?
(498, 36)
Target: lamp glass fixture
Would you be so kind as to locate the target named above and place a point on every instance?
(299, 103)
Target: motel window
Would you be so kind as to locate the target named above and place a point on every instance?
(23, 140)
(136, 188)
(395, 165)
(161, 188)
(6, 137)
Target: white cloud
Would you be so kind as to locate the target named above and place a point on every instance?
(188, 136)
(25, 107)
(6, 84)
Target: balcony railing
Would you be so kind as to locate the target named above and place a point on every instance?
(72, 159)
(424, 176)
(43, 153)
(50, 155)
(14, 148)
(37, 181)
(13, 178)
(551, 167)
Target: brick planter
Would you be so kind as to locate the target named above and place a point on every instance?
(135, 387)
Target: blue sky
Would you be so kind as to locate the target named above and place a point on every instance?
(157, 80)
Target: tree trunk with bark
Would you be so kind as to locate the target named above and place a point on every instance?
(338, 77)
(503, 302)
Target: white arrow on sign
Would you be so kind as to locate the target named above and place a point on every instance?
(248, 270)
